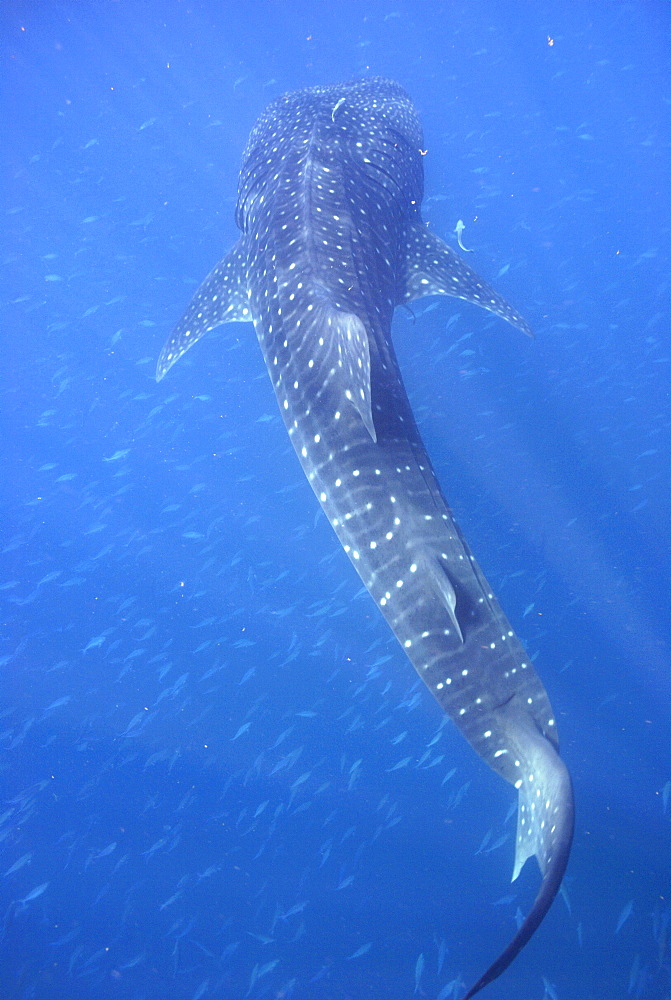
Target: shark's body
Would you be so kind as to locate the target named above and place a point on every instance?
(332, 241)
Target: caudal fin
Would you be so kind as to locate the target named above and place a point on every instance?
(544, 828)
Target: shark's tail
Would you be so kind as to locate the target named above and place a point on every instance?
(544, 826)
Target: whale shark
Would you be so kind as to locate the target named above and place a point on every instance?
(332, 241)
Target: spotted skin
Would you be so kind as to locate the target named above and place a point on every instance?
(331, 242)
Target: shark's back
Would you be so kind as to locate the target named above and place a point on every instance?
(331, 179)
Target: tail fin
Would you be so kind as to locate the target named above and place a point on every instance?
(544, 826)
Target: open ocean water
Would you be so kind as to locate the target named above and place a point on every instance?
(219, 776)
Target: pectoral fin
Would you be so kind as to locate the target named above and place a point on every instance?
(433, 269)
(222, 298)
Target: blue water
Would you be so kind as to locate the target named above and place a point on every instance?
(219, 777)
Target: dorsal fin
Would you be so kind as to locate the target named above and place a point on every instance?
(353, 362)
(436, 573)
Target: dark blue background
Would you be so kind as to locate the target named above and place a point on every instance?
(167, 577)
